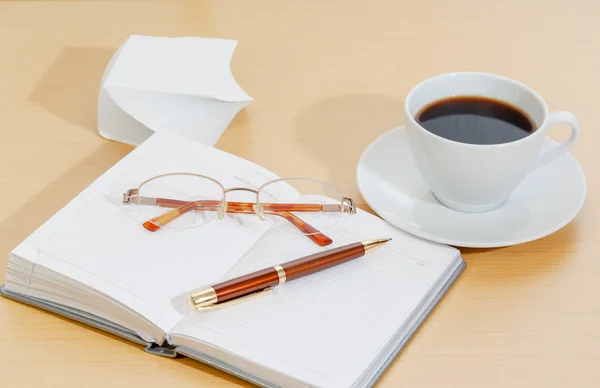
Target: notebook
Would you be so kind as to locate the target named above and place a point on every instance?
(93, 262)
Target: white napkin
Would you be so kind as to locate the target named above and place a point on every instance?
(180, 85)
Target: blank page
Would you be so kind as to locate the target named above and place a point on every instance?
(324, 329)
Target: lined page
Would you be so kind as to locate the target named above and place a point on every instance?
(329, 326)
(99, 241)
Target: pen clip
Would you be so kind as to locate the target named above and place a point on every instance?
(235, 301)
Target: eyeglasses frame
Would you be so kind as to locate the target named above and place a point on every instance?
(223, 206)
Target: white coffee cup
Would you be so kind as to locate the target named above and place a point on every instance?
(479, 178)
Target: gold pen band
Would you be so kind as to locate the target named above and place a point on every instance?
(204, 297)
(280, 273)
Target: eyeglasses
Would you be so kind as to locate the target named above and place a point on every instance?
(295, 205)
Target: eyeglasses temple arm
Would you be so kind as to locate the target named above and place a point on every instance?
(239, 207)
(158, 222)
(315, 235)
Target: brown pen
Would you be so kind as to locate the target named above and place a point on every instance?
(279, 274)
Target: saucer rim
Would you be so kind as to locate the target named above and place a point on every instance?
(464, 243)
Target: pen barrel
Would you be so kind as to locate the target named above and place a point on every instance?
(246, 285)
(322, 261)
(270, 277)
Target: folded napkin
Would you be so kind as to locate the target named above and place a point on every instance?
(159, 84)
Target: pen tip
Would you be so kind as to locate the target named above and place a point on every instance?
(374, 244)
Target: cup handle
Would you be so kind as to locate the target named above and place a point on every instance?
(561, 149)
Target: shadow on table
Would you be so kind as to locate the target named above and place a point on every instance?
(337, 130)
(69, 88)
(520, 265)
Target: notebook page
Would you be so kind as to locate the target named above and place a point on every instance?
(99, 241)
(326, 328)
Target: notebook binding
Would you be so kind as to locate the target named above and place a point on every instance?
(162, 350)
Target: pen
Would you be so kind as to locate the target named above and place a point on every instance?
(279, 274)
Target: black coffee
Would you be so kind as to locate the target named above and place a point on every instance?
(475, 120)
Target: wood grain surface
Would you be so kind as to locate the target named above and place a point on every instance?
(328, 78)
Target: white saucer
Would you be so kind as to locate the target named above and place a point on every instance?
(548, 199)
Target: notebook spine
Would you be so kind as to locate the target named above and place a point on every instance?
(165, 350)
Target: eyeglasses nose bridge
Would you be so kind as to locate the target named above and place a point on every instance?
(223, 205)
(241, 189)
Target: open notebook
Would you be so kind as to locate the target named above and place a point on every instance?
(94, 262)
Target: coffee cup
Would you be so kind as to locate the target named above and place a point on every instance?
(472, 175)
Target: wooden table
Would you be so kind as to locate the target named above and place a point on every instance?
(328, 78)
